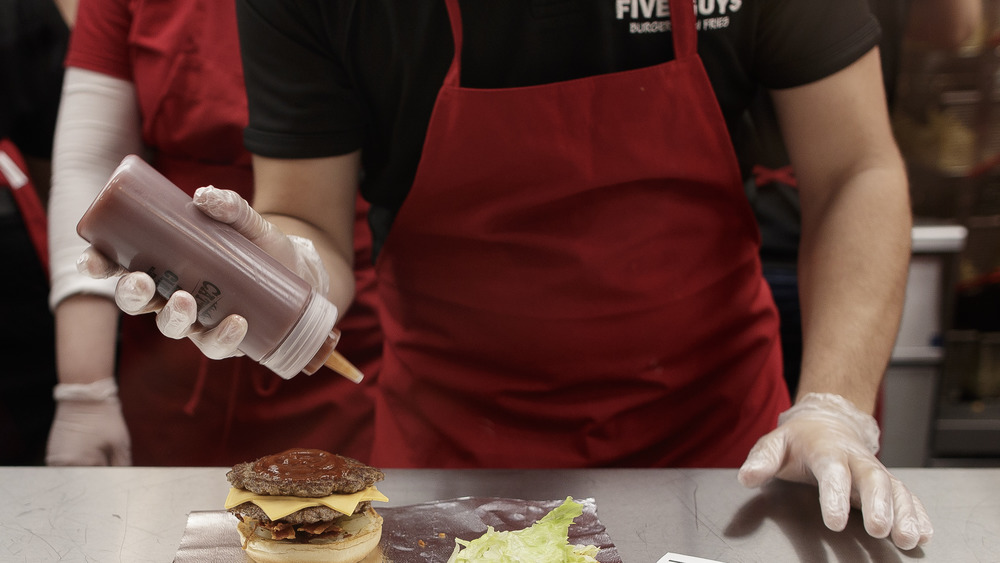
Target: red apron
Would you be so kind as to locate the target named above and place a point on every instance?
(573, 279)
(182, 408)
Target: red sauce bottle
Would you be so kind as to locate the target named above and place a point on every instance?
(146, 223)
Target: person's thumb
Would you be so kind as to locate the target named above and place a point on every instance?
(764, 460)
(227, 206)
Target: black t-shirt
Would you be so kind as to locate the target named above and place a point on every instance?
(330, 77)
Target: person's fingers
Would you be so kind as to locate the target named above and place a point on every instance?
(177, 316)
(229, 207)
(833, 477)
(923, 520)
(121, 455)
(136, 294)
(764, 460)
(875, 488)
(223, 340)
(221, 205)
(911, 525)
(297, 253)
(95, 265)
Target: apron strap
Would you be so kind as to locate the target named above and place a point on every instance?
(453, 78)
(683, 26)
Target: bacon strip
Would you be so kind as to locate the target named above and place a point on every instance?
(317, 528)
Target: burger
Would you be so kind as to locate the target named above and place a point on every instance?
(306, 505)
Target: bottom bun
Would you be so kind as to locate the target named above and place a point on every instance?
(354, 549)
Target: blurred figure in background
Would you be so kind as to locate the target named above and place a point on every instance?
(33, 39)
(771, 183)
(164, 80)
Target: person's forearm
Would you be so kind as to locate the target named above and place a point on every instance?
(98, 124)
(853, 267)
(855, 242)
(86, 338)
(314, 199)
(338, 265)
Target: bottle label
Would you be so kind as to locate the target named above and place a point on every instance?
(207, 297)
(166, 283)
(206, 294)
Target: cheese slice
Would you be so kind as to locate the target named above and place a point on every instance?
(276, 506)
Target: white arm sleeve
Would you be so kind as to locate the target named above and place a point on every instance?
(98, 125)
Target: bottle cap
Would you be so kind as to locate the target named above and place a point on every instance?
(306, 338)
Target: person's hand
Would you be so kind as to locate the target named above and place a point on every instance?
(825, 440)
(88, 428)
(177, 316)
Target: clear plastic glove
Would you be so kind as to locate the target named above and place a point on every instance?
(88, 428)
(177, 316)
(825, 440)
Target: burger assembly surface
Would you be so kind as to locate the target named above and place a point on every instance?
(304, 505)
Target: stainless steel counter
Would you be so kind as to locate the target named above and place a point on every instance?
(136, 515)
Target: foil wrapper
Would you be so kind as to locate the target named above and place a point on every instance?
(418, 533)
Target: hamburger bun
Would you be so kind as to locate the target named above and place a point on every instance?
(305, 506)
(359, 547)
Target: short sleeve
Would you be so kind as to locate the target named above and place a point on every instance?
(300, 100)
(803, 41)
(99, 41)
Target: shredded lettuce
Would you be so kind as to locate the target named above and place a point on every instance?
(545, 541)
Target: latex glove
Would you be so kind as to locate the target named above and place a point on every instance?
(177, 316)
(825, 440)
(88, 428)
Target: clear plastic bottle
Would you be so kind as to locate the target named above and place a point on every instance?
(146, 223)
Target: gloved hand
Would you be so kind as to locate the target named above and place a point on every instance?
(825, 440)
(177, 316)
(88, 428)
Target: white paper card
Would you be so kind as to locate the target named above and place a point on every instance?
(678, 558)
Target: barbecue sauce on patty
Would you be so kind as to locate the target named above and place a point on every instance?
(303, 465)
